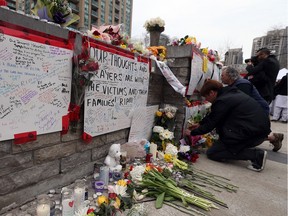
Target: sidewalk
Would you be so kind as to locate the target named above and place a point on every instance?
(259, 194)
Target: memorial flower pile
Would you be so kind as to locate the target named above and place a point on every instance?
(120, 198)
(155, 24)
(57, 11)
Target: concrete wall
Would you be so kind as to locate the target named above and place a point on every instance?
(55, 160)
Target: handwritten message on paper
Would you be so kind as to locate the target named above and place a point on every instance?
(120, 87)
(35, 86)
(142, 123)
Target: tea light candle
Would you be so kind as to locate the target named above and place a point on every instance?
(43, 210)
(153, 150)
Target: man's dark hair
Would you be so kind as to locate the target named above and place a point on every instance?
(264, 50)
(210, 85)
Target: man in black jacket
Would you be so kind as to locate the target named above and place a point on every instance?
(240, 122)
(263, 75)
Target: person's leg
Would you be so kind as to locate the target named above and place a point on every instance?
(219, 152)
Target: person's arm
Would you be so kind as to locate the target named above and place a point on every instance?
(254, 70)
(218, 112)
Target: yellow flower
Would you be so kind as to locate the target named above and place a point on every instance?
(159, 113)
(102, 199)
(121, 182)
(117, 203)
(168, 158)
(123, 46)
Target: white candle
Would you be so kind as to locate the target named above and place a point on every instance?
(153, 150)
(79, 197)
(43, 210)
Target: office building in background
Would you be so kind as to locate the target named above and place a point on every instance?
(276, 41)
(91, 12)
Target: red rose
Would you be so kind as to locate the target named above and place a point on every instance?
(93, 66)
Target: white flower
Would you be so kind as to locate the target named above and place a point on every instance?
(184, 148)
(158, 129)
(166, 135)
(136, 173)
(154, 23)
(171, 149)
(120, 190)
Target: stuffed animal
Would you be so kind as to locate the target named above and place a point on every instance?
(112, 160)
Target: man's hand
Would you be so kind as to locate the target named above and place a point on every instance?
(192, 126)
(187, 132)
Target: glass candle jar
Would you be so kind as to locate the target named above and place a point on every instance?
(79, 194)
(99, 186)
(104, 175)
(43, 205)
(67, 202)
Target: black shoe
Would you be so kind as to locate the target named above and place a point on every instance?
(259, 163)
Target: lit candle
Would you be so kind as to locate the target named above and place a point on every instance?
(153, 150)
(43, 210)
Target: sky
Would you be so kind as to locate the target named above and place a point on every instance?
(217, 24)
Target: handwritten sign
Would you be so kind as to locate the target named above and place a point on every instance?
(142, 123)
(35, 86)
(119, 88)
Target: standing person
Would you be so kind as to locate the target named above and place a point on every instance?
(280, 102)
(230, 76)
(263, 75)
(240, 122)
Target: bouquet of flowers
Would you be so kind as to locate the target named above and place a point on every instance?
(161, 137)
(154, 24)
(185, 40)
(165, 117)
(57, 11)
(119, 199)
(84, 69)
(158, 51)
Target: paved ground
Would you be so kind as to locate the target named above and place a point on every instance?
(259, 194)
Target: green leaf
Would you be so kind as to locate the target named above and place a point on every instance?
(160, 200)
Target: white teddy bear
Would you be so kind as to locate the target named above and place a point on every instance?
(112, 160)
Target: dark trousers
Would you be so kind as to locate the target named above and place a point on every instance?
(219, 151)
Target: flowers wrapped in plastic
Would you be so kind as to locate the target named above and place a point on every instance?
(84, 69)
(57, 11)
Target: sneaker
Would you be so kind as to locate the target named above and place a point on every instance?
(259, 163)
(278, 141)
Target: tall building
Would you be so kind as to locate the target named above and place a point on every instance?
(91, 12)
(276, 41)
(233, 56)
